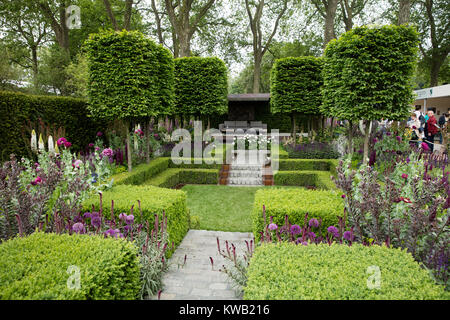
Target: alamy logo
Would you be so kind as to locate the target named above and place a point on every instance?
(374, 279)
(74, 280)
(73, 17)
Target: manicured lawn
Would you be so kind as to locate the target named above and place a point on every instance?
(222, 208)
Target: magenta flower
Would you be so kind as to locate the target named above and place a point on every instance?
(399, 139)
(36, 181)
(313, 223)
(388, 134)
(375, 140)
(404, 176)
(61, 141)
(67, 144)
(312, 235)
(343, 196)
(108, 152)
(273, 226)
(91, 145)
(99, 134)
(78, 228)
(425, 146)
(295, 229)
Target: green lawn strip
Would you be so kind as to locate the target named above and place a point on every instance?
(222, 208)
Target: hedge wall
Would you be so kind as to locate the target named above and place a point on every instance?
(200, 86)
(295, 203)
(70, 113)
(171, 177)
(287, 271)
(130, 76)
(142, 172)
(305, 164)
(295, 85)
(36, 268)
(305, 178)
(153, 200)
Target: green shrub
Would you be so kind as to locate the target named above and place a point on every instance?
(200, 86)
(171, 177)
(195, 222)
(295, 203)
(36, 268)
(153, 201)
(16, 109)
(318, 179)
(130, 76)
(304, 164)
(295, 85)
(142, 172)
(193, 165)
(286, 271)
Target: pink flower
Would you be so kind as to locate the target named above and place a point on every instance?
(77, 163)
(36, 181)
(91, 145)
(343, 196)
(67, 144)
(425, 146)
(61, 141)
(404, 176)
(108, 152)
(99, 134)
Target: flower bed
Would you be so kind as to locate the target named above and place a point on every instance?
(286, 271)
(319, 204)
(153, 200)
(37, 267)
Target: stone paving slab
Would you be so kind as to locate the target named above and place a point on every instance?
(197, 279)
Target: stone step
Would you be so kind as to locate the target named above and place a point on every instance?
(246, 167)
(245, 174)
(244, 181)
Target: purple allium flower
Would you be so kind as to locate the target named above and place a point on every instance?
(108, 152)
(399, 139)
(295, 229)
(96, 221)
(273, 226)
(87, 215)
(425, 146)
(129, 219)
(404, 176)
(112, 232)
(333, 230)
(313, 223)
(99, 134)
(388, 134)
(304, 243)
(61, 141)
(407, 160)
(78, 228)
(122, 216)
(312, 235)
(348, 235)
(360, 151)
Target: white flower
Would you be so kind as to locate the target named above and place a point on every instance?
(51, 145)
(41, 143)
(33, 141)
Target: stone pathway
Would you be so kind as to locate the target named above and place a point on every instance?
(197, 279)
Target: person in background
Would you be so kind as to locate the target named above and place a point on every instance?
(431, 129)
(442, 120)
(414, 124)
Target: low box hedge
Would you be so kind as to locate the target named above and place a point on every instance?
(285, 271)
(171, 177)
(153, 201)
(295, 203)
(193, 165)
(304, 164)
(36, 268)
(318, 179)
(141, 172)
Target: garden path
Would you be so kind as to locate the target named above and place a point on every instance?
(198, 279)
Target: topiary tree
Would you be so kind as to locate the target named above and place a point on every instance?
(367, 75)
(201, 87)
(130, 77)
(295, 87)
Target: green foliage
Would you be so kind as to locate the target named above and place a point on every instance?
(296, 203)
(130, 76)
(200, 86)
(171, 177)
(304, 164)
(36, 268)
(286, 271)
(295, 85)
(367, 73)
(194, 223)
(16, 109)
(142, 172)
(153, 200)
(306, 178)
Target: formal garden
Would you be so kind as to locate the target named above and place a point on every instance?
(134, 193)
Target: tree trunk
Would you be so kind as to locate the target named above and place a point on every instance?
(256, 73)
(350, 137)
(330, 15)
(436, 64)
(129, 160)
(404, 11)
(185, 44)
(366, 141)
(35, 67)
